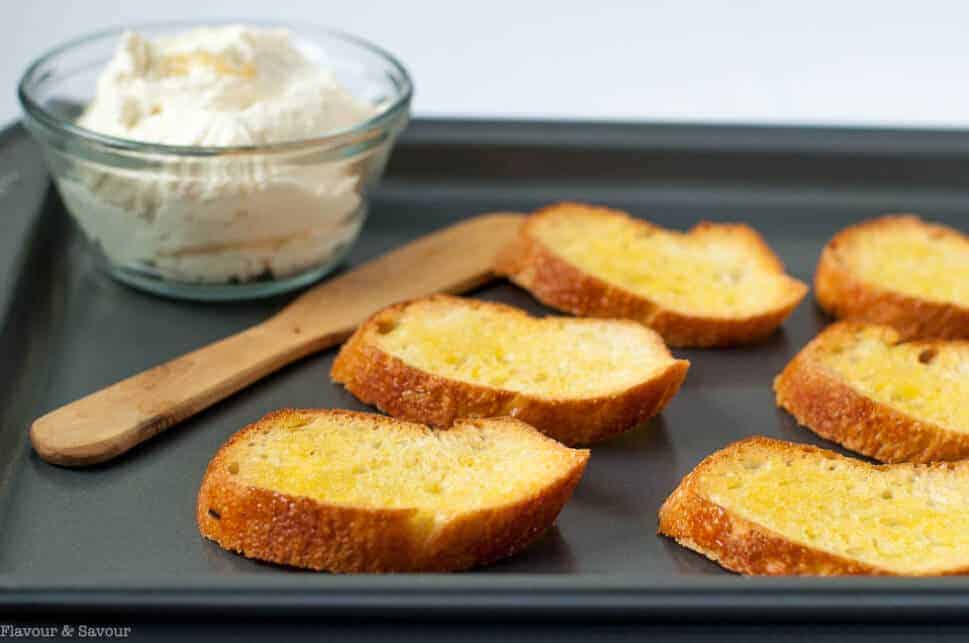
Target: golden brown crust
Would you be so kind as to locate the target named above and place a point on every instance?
(821, 401)
(742, 545)
(556, 282)
(303, 532)
(845, 295)
(410, 393)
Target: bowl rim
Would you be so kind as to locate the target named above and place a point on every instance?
(348, 135)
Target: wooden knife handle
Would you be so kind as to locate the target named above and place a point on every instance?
(111, 421)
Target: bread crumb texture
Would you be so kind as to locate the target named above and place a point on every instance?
(713, 274)
(906, 255)
(926, 381)
(365, 461)
(503, 348)
(907, 519)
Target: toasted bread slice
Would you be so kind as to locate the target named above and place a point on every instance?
(442, 358)
(716, 285)
(863, 388)
(763, 506)
(356, 492)
(901, 271)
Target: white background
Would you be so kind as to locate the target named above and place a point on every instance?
(820, 61)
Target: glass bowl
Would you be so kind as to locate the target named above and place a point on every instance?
(216, 223)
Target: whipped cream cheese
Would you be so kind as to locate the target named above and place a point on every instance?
(218, 87)
(224, 218)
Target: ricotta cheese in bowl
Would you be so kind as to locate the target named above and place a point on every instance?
(242, 160)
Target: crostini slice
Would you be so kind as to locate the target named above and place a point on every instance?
(768, 507)
(716, 285)
(357, 492)
(859, 385)
(443, 358)
(901, 271)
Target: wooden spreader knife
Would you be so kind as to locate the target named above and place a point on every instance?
(111, 421)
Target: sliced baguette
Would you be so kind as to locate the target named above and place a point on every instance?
(860, 386)
(439, 359)
(355, 492)
(716, 285)
(763, 506)
(901, 271)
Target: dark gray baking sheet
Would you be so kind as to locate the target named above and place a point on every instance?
(123, 536)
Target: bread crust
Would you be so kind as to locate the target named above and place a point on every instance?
(302, 532)
(558, 283)
(411, 393)
(827, 405)
(845, 295)
(747, 547)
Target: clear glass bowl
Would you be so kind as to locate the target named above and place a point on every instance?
(216, 223)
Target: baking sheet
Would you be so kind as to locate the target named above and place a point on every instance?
(123, 534)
